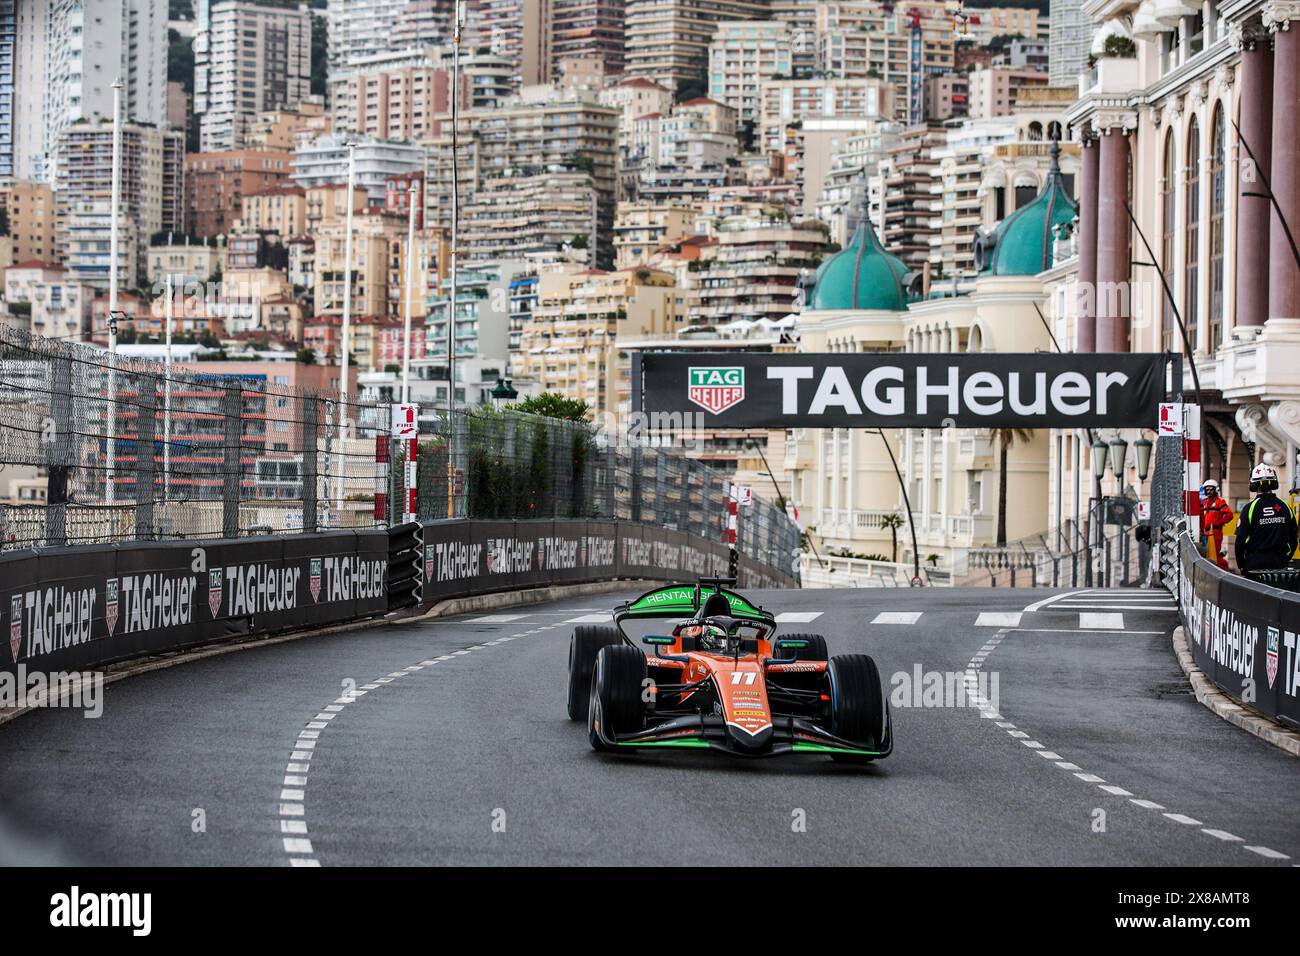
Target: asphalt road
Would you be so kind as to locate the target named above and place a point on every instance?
(1099, 754)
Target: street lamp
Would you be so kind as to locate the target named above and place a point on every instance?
(1099, 450)
(1118, 452)
(504, 391)
(1142, 450)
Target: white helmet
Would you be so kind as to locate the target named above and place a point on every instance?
(1263, 478)
(1210, 483)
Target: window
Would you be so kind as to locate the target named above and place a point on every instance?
(1193, 232)
(1168, 214)
(1217, 187)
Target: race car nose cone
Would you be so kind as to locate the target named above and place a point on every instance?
(753, 742)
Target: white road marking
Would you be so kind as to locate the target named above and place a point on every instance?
(896, 617)
(297, 768)
(293, 826)
(1116, 791)
(1223, 835)
(1066, 765)
(1048, 754)
(798, 617)
(1101, 622)
(1055, 597)
(303, 861)
(1266, 852)
(496, 618)
(294, 780)
(291, 810)
(591, 619)
(1090, 778)
(1112, 607)
(998, 619)
(1032, 744)
(293, 794)
(1147, 804)
(1019, 734)
(1074, 630)
(317, 724)
(297, 845)
(1184, 819)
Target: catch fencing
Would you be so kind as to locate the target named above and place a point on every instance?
(238, 451)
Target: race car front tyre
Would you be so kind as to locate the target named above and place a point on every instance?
(815, 651)
(616, 689)
(583, 648)
(857, 701)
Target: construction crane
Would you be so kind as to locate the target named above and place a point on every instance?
(961, 24)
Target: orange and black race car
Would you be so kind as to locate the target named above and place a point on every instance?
(717, 677)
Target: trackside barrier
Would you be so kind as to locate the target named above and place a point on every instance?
(79, 608)
(1244, 636)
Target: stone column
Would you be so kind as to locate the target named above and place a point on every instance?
(1087, 302)
(1284, 163)
(1253, 214)
(1113, 296)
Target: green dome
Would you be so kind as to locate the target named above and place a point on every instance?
(861, 276)
(1021, 245)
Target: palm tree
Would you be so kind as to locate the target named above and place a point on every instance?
(893, 522)
(1006, 438)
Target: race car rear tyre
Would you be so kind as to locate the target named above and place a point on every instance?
(857, 701)
(616, 689)
(583, 648)
(815, 651)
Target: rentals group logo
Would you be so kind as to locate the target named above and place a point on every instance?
(716, 389)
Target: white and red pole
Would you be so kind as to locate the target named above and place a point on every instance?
(382, 458)
(1192, 468)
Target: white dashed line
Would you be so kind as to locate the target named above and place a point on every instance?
(1147, 804)
(998, 619)
(1266, 852)
(1090, 778)
(496, 618)
(1101, 621)
(1223, 835)
(1183, 819)
(897, 617)
(591, 619)
(798, 617)
(1117, 791)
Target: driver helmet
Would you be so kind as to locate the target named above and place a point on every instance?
(713, 636)
(1263, 478)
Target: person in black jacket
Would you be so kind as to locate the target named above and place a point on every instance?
(1266, 529)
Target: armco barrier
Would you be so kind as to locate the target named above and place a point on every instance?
(1243, 635)
(78, 608)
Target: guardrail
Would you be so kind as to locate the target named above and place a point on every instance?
(1243, 634)
(832, 571)
(79, 608)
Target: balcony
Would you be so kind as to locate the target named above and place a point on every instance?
(1261, 365)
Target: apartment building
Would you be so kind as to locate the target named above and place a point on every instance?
(216, 184)
(325, 161)
(588, 30)
(742, 55)
(668, 40)
(186, 262)
(406, 94)
(901, 194)
(62, 79)
(996, 90)
(536, 215)
(282, 210)
(568, 344)
(150, 175)
(359, 28)
(373, 234)
(29, 210)
(248, 58)
(786, 103)
(642, 227)
(844, 193)
(633, 98)
(519, 31)
(752, 269)
(699, 132)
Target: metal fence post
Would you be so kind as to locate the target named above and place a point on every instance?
(60, 460)
(232, 407)
(145, 462)
(310, 461)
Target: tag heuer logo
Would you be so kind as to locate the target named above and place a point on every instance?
(15, 624)
(214, 591)
(315, 580)
(429, 559)
(110, 604)
(1270, 657)
(716, 389)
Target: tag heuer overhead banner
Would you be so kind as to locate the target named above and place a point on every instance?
(870, 390)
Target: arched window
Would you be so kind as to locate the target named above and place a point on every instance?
(1035, 131)
(1193, 232)
(1168, 217)
(1217, 188)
